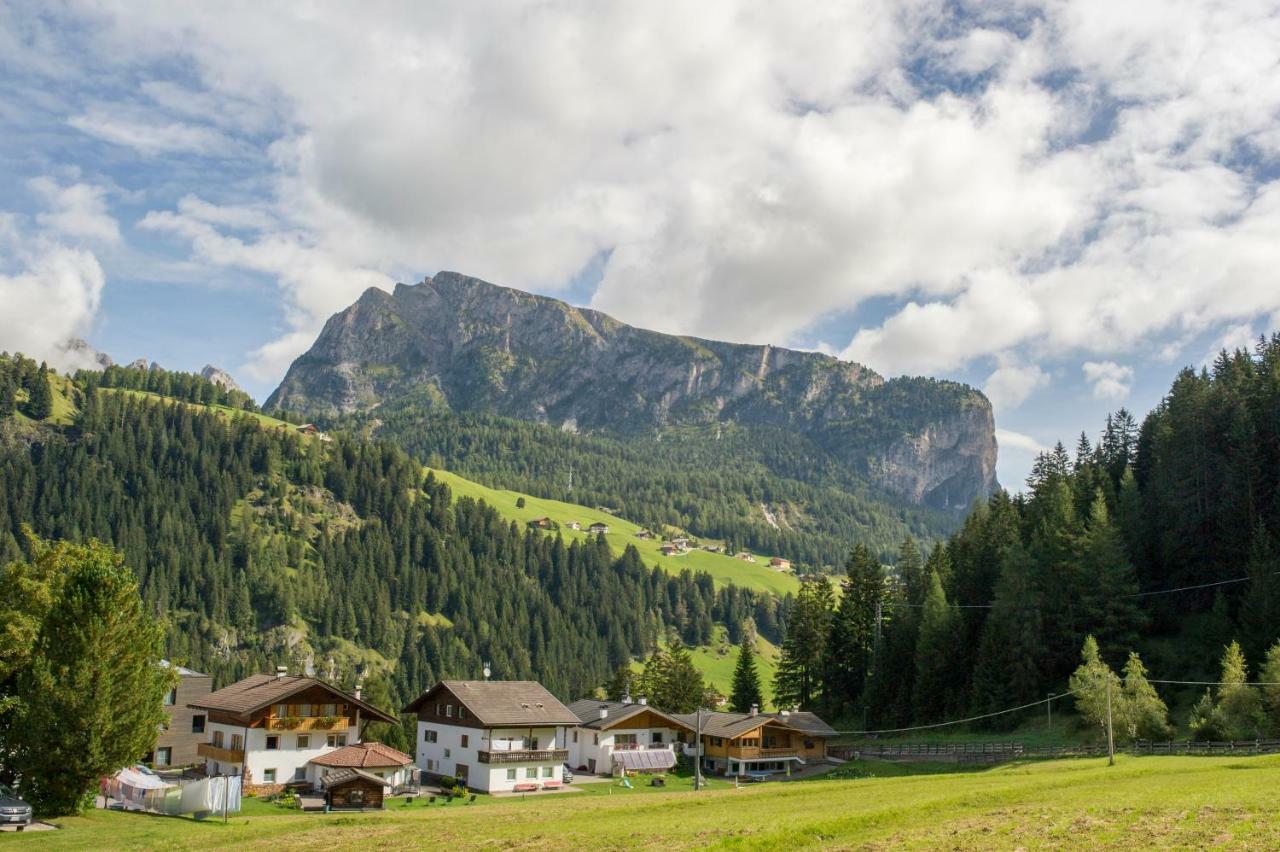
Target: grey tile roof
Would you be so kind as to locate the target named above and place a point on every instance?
(496, 703)
(341, 776)
(730, 725)
(588, 710)
(255, 692)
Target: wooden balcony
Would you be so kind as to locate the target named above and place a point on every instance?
(304, 724)
(553, 755)
(754, 753)
(222, 755)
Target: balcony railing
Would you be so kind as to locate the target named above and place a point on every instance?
(223, 755)
(303, 724)
(640, 746)
(548, 755)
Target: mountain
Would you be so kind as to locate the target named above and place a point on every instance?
(220, 377)
(460, 344)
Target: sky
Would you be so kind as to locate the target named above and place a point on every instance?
(1060, 202)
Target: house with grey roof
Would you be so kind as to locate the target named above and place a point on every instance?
(493, 736)
(623, 735)
(759, 743)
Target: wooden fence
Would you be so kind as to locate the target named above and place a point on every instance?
(999, 752)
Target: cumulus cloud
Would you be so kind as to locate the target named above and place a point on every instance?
(52, 298)
(1010, 440)
(1040, 178)
(1009, 385)
(77, 210)
(1111, 381)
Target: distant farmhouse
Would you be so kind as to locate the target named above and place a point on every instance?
(598, 528)
(542, 524)
(779, 563)
(572, 525)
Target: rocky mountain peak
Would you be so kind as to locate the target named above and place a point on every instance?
(220, 377)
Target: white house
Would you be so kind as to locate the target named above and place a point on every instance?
(616, 735)
(269, 729)
(494, 736)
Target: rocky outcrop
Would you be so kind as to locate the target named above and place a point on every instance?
(220, 377)
(468, 345)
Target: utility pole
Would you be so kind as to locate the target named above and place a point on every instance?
(697, 753)
(1111, 739)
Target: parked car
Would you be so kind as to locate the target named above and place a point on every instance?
(13, 811)
(566, 775)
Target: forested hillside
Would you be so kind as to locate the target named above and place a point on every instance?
(1160, 539)
(258, 546)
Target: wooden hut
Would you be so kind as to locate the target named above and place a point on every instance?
(354, 789)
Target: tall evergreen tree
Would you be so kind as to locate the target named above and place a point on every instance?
(1107, 585)
(850, 644)
(1144, 715)
(1239, 704)
(1260, 608)
(937, 681)
(1095, 686)
(798, 678)
(1008, 671)
(746, 691)
(39, 396)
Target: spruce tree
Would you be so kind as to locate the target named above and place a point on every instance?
(1260, 608)
(90, 700)
(1107, 585)
(1008, 670)
(746, 691)
(619, 686)
(847, 655)
(799, 675)
(1271, 692)
(936, 690)
(1239, 703)
(8, 395)
(1093, 683)
(39, 396)
(1143, 714)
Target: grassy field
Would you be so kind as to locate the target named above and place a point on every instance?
(264, 419)
(723, 569)
(1150, 802)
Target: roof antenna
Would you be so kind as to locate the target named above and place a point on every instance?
(487, 671)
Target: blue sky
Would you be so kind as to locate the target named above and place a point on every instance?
(1062, 203)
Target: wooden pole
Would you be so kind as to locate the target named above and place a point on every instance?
(1111, 738)
(697, 753)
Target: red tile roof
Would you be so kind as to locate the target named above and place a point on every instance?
(363, 755)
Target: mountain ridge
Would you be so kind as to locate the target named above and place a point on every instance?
(464, 344)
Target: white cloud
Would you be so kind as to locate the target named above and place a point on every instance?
(1111, 381)
(1018, 442)
(78, 210)
(151, 138)
(52, 298)
(1009, 385)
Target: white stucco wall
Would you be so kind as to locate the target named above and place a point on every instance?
(586, 748)
(443, 756)
(285, 760)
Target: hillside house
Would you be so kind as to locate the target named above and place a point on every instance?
(669, 549)
(309, 429)
(542, 524)
(780, 564)
(493, 736)
(759, 743)
(373, 758)
(617, 735)
(183, 731)
(645, 534)
(681, 542)
(598, 528)
(745, 557)
(573, 525)
(270, 728)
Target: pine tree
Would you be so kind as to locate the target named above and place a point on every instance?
(936, 688)
(1008, 668)
(8, 396)
(90, 701)
(1239, 703)
(1271, 692)
(682, 689)
(1143, 715)
(799, 674)
(39, 397)
(746, 691)
(1107, 585)
(1260, 608)
(1093, 682)
(850, 644)
(619, 686)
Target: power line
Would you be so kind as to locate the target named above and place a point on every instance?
(962, 721)
(1212, 683)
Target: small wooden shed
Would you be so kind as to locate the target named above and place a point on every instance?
(354, 789)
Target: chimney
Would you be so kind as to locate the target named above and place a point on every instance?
(642, 701)
(359, 688)
(626, 698)
(604, 712)
(785, 713)
(281, 672)
(755, 709)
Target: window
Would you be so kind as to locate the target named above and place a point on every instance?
(336, 740)
(448, 710)
(304, 709)
(437, 708)
(300, 774)
(217, 739)
(330, 710)
(273, 743)
(596, 738)
(268, 776)
(429, 736)
(465, 740)
(431, 765)
(164, 755)
(448, 753)
(657, 737)
(171, 697)
(533, 744)
(197, 724)
(575, 736)
(548, 772)
(282, 710)
(237, 742)
(304, 741)
(511, 775)
(355, 796)
(462, 711)
(531, 772)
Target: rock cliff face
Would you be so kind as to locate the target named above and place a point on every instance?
(472, 346)
(220, 377)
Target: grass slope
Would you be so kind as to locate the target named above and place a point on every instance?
(723, 569)
(1149, 802)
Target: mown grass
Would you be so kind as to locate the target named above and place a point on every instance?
(723, 569)
(1148, 802)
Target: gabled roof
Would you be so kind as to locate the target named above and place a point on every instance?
(588, 710)
(494, 703)
(342, 776)
(182, 671)
(364, 755)
(730, 725)
(245, 697)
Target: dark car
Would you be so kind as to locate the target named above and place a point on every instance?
(13, 811)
